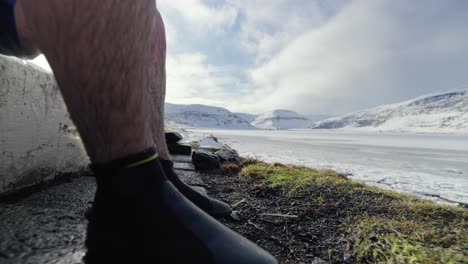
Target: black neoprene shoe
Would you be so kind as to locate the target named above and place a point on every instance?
(140, 217)
(211, 206)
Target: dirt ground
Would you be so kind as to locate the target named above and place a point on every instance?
(295, 232)
(295, 229)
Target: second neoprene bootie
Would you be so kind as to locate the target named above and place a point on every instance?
(140, 217)
(211, 206)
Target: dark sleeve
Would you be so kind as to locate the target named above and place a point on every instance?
(9, 40)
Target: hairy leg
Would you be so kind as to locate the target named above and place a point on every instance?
(158, 88)
(102, 60)
(91, 105)
(157, 93)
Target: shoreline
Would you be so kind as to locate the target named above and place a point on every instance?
(423, 166)
(302, 215)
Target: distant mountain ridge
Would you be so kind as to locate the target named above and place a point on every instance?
(203, 116)
(442, 112)
(281, 119)
(247, 117)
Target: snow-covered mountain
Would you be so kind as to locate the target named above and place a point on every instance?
(316, 118)
(281, 119)
(247, 117)
(203, 116)
(443, 112)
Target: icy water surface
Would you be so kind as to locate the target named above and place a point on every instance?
(424, 164)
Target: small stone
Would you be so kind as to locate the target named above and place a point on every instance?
(205, 161)
(228, 155)
(173, 137)
(180, 149)
(184, 166)
(319, 261)
(343, 240)
(235, 216)
(372, 236)
(182, 158)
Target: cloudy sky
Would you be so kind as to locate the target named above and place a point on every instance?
(313, 56)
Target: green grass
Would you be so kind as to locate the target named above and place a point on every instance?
(230, 168)
(407, 230)
(289, 177)
(423, 239)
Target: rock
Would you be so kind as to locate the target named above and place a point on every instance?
(319, 261)
(228, 155)
(173, 137)
(205, 160)
(37, 143)
(347, 256)
(184, 166)
(235, 216)
(343, 240)
(181, 158)
(210, 142)
(179, 149)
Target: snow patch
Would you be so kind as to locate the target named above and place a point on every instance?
(247, 117)
(281, 119)
(209, 142)
(435, 113)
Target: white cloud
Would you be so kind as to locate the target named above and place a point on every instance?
(270, 25)
(265, 29)
(170, 30)
(190, 79)
(372, 52)
(200, 16)
(312, 56)
(368, 53)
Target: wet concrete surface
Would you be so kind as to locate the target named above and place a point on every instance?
(49, 226)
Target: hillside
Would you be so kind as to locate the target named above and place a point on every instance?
(203, 116)
(443, 112)
(247, 117)
(281, 119)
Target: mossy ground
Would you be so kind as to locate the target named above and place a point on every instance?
(339, 220)
(411, 230)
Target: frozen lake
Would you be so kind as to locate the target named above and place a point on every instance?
(424, 164)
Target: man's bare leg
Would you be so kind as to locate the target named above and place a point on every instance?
(99, 63)
(159, 135)
(158, 89)
(101, 54)
(157, 92)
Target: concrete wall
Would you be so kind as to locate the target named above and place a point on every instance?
(37, 142)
